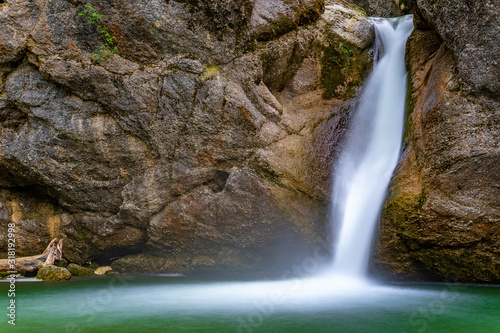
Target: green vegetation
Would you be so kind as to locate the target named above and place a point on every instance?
(278, 28)
(275, 182)
(421, 199)
(250, 46)
(106, 49)
(347, 51)
(33, 215)
(410, 105)
(210, 73)
(189, 55)
(285, 24)
(52, 273)
(78, 270)
(343, 69)
(361, 9)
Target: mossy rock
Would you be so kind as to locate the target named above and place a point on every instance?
(94, 266)
(344, 68)
(4, 274)
(277, 29)
(79, 270)
(52, 273)
(62, 263)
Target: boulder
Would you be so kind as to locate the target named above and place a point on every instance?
(52, 273)
(103, 270)
(80, 270)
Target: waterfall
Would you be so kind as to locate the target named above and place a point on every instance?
(371, 151)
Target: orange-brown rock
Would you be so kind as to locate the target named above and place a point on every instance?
(442, 216)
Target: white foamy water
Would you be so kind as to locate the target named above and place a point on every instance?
(372, 150)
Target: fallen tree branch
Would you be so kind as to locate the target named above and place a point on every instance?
(52, 253)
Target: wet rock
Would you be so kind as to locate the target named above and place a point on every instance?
(80, 270)
(103, 270)
(62, 263)
(441, 219)
(52, 274)
(383, 8)
(349, 23)
(271, 19)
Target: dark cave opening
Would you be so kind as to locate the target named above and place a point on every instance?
(218, 182)
(105, 259)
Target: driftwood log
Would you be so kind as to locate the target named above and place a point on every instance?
(52, 253)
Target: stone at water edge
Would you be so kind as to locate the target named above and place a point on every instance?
(80, 270)
(103, 270)
(52, 273)
(62, 263)
(7, 275)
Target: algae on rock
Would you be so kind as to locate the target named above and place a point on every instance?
(52, 273)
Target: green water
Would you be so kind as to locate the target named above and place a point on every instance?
(181, 304)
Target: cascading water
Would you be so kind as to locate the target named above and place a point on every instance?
(372, 150)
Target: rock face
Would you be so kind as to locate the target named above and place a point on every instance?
(382, 8)
(442, 217)
(470, 30)
(205, 144)
(52, 274)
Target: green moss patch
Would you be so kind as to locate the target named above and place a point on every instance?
(410, 106)
(344, 69)
(78, 270)
(283, 25)
(278, 28)
(53, 273)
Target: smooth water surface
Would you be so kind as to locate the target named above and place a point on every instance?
(123, 303)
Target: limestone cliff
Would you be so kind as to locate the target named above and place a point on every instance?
(203, 144)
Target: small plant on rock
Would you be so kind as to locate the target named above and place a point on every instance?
(347, 51)
(210, 73)
(94, 18)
